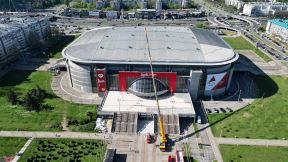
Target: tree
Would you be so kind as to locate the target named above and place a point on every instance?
(33, 99)
(261, 29)
(67, 2)
(91, 5)
(173, 5)
(191, 4)
(40, 93)
(12, 97)
(30, 102)
(90, 115)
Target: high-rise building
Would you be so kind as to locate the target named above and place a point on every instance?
(265, 9)
(17, 34)
(278, 27)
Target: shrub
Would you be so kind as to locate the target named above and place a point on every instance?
(12, 97)
(88, 127)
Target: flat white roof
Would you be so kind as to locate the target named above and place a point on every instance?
(168, 46)
(178, 104)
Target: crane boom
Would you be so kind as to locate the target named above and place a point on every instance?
(161, 125)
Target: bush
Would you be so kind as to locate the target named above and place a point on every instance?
(56, 126)
(12, 97)
(201, 25)
(33, 99)
(261, 29)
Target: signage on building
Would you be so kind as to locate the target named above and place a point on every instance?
(101, 80)
(216, 81)
(171, 76)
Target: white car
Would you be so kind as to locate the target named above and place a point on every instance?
(199, 120)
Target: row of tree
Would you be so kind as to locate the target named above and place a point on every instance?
(150, 4)
(31, 101)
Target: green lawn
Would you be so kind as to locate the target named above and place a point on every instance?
(10, 146)
(17, 118)
(242, 43)
(80, 114)
(265, 118)
(65, 150)
(228, 32)
(243, 153)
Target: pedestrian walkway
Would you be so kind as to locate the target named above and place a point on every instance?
(17, 157)
(61, 87)
(208, 137)
(260, 142)
(76, 135)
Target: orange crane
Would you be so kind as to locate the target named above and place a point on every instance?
(163, 139)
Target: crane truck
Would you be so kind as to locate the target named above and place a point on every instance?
(163, 138)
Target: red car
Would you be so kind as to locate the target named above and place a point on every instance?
(171, 158)
(148, 138)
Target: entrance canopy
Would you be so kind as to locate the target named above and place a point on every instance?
(177, 104)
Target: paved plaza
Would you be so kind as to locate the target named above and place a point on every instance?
(178, 103)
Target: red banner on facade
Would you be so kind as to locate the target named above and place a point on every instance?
(101, 80)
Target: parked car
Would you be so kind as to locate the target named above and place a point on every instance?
(208, 111)
(199, 120)
(223, 110)
(216, 110)
(229, 109)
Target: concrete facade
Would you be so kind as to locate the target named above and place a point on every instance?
(236, 3)
(278, 27)
(265, 9)
(17, 34)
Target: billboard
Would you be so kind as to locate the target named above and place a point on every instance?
(216, 81)
(101, 80)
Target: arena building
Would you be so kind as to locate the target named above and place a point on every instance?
(192, 61)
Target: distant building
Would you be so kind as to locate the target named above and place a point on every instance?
(158, 5)
(278, 27)
(236, 3)
(146, 13)
(115, 4)
(94, 14)
(143, 4)
(265, 9)
(17, 34)
(111, 14)
(183, 3)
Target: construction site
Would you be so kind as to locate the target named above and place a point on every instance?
(148, 80)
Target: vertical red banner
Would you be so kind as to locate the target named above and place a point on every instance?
(101, 80)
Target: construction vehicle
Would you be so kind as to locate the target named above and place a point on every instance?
(163, 139)
(149, 138)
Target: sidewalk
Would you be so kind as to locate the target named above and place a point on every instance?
(79, 135)
(60, 86)
(213, 143)
(17, 157)
(259, 142)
